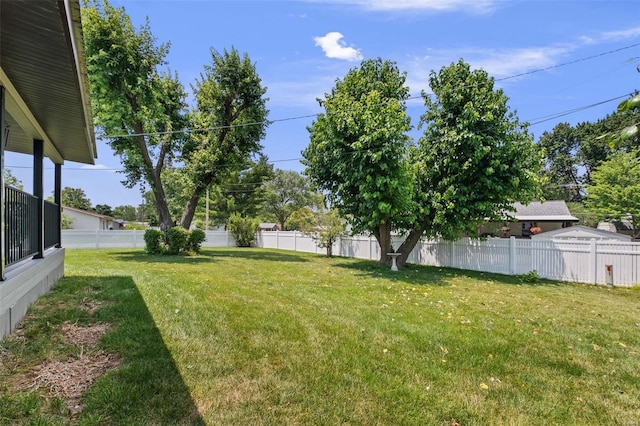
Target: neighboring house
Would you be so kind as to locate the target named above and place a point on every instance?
(582, 233)
(548, 216)
(268, 227)
(45, 112)
(83, 219)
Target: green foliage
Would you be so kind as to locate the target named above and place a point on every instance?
(104, 209)
(196, 238)
(328, 230)
(66, 222)
(587, 216)
(228, 95)
(572, 154)
(177, 240)
(300, 220)
(11, 180)
(130, 94)
(75, 198)
(154, 241)
(475, 158)
(473, 162)
(530, 277)
(135, 226)
(128, 213)
(243, 229)
(614, 193)
(358, 146)
(287, 192)
(241, 191)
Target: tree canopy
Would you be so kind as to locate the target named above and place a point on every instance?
(287, 192)
(142, 109)
(614, 193)
(473, 162)
(75, 198)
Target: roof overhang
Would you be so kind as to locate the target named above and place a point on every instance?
(43, 71)
(550, 218)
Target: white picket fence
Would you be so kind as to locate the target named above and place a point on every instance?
(575, 261)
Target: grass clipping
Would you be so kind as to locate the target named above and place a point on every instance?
(71, 378)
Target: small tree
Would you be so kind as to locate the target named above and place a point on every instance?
(329, 228)
(243, 229)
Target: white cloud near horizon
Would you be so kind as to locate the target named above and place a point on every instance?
(333, 47)
(98, 167)
(471, 6)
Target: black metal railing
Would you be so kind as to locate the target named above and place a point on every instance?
(51, 224)
(21, 225)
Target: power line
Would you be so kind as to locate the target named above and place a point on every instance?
(232, 126)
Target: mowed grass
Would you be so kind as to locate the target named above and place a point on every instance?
(252, 336)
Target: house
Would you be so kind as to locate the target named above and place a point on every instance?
(83, 219)
(581, 233)
(268, 227)
(45, 112)
(547, 216)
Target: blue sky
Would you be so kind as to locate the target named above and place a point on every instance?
(588, 51)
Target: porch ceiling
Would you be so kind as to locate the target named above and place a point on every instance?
(43, 70)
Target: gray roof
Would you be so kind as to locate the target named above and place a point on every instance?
(580, 232)
(43, 71)
(552, 210)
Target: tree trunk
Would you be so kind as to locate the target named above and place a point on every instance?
(330, 250)
(153, 176)
(190, 210)
(383, 235)
(409, 244)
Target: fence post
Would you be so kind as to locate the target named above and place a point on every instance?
(97, 238)
(452, 254)
(295, 240)
(512, 255)
(593, 261)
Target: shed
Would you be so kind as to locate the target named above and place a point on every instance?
(582, 233)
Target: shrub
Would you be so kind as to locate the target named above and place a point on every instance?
(243, 229)
(154, 241)
(196, 238)
(177, 238)
(531, 277)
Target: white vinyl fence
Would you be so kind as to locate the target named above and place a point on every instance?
(576, 261)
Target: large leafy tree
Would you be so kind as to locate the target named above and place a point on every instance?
(358, 147)
(473, 162)
(287, 192)
(564, 179)
(615, 189)
(572, 154)
(75, 198)
(232, 107)
(131, 96)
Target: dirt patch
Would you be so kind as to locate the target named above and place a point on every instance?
(69, 379)
(83, 336)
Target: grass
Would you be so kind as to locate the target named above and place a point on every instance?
(251, 336)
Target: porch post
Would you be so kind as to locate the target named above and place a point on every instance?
(38, 192)
(3, 200)
(57, 198)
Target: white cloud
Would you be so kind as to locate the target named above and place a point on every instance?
(471, 6)
(621, 34)
(98, 167)
(333, 46)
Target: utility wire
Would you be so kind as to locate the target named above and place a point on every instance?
(231, 126)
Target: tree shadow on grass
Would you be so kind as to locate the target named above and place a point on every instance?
(147, 388)
(273, 255)
(208, 255)
(437, 275)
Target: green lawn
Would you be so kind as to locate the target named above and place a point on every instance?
(251, 336)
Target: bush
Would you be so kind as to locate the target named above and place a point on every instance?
(154, 241)
(243, 229)
(196, 238)
(177, 238)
